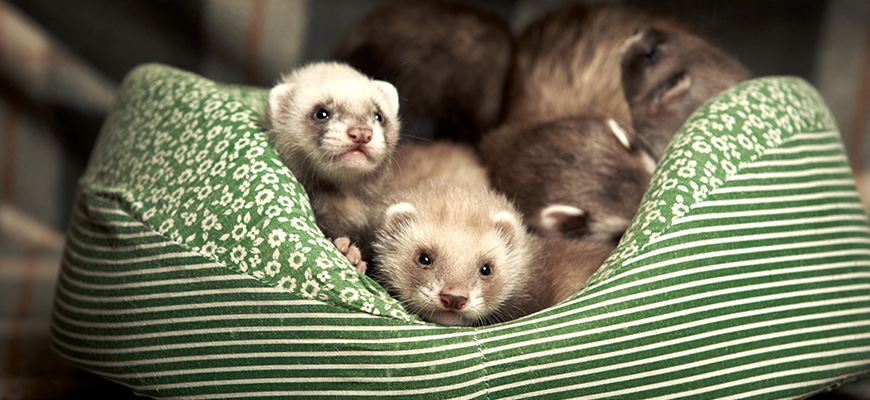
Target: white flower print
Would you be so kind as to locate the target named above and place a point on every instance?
(239, 231)
(242, 172)
(277, 237)
(241, 116)
(210, 249)
(310, 289)
(165, 226)
(286, 202)
(299, 224)
(241, 144)
(210, 222)
(204, 166)
(324, 261)
(297, 259)
(258, 166)
(729, 168)
(264, 197)
(222, 146)
(189, 218)
(238, 204)
(273, 267)
(238, 254)
(219, 168)
(270, 179)
(687, 171)
(204, 191)
(287, 283)
(254, 261)
(148, 214)
(273, 211)
(255, 152)
(702, 147)
(349, 295)
(226, 199)
(719, 142)
(324, 290)
(348, 275)
(253, 232)
(680, 209)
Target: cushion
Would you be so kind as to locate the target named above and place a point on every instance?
(194, 269)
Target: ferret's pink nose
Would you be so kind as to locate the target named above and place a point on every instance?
(360, 134)
(453, 302)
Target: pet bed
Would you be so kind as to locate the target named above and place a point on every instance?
(193, 269)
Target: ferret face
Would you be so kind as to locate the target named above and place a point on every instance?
(604, 172)
(449, 263)
(578, 177)
(668, 75)
(340, 122)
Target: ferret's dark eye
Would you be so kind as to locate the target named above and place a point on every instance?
(652, 53)
(379, 117)
(321, 114)
(424, 259)
(486, 269)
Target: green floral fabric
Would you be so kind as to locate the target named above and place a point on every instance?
(207, 178)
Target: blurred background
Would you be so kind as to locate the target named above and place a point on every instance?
(61, 61)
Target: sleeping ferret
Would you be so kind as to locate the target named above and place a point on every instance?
(667, 75)
(580, 177)
(567, 63)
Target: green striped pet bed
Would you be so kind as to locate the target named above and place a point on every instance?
(193, 269)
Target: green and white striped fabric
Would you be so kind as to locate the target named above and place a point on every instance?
(193, 269)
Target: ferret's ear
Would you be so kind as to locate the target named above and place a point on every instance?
(398, 214)
(676, 89)
(279, 99)
(507, 225)
(560, 219)
(392, 95)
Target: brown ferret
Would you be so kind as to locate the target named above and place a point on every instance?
(567, 63)
(337, 131)
(667, 75)
(458, 254)
(449, 61)
(580, 177)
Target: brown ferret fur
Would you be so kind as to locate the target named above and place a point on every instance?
(566, 152)
(667, 75)
(449, 61)
(567, 63)
(417, 162)
(573, 177)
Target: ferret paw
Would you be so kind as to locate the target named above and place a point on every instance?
(351, 252)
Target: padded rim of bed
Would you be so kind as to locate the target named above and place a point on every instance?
(193, 268)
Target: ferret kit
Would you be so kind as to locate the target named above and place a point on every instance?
(547, 115)
(679, 230)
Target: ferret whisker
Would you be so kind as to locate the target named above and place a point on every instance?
(419, 138)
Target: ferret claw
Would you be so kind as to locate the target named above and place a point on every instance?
(351, 253)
